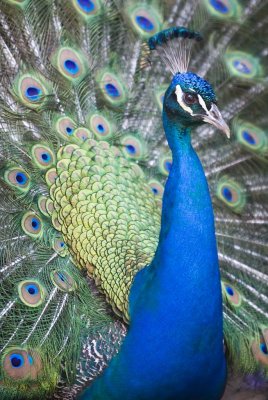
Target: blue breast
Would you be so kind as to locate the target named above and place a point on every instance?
(174, 347)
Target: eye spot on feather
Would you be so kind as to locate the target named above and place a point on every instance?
(231, 193)
(248, 138)
(144, 23)
(42, 205)
(71, 66)
(32, 225)
(69, 130)
(228, 194)
(31, 293)
(223, 9)
(31, 90)
(51, 176)
(65, 126)
(145, 19)
(60, 247)
(17, 178)
(229, 290)
(168, 165)
(20, 364)
(156, 187)
(260, 351)
(87, 5)
(63, 280)
(165, 165)
(87, 8)
(252, 138)
(100, 126)
(43, 156)
(231, 294)
(82, 134)
(133, 148)
(16, 360)
(112, 88)
(33, 93)
(70, 63)
(220, 6)
(242, 64)
(263, 348)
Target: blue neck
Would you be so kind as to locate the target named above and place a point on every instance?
(174, 347)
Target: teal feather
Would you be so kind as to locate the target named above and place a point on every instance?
(72, 333)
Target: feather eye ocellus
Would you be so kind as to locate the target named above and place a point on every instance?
(231, 193)
(32, 224)
(242, 65)
(31, 89)
(165, 164)
(231, 294)
(21, 364)
(82, 134)
(51, 176)
(112, 88)
(156, 187)
(223, 9)
(63, 280)
(60, 247)
(133, 147)
(145, 19)
(71, 63)
(260, 350)
(252, 138)
(100, 126)
(17, 178)
(65, 126)
(31, 292)
(87, 8)
(43, 156)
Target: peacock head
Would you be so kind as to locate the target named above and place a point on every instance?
(189, 99)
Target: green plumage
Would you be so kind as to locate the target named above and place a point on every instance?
(83, 162)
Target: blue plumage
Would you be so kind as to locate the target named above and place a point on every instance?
(168, 353)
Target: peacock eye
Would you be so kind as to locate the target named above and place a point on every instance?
(189, 98)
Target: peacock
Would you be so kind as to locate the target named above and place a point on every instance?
(129, 268)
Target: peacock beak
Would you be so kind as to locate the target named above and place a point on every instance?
(214, 117)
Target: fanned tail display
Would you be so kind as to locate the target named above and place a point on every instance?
(83, 164)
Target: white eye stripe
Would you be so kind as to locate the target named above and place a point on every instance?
(201, 101)
(179, 94)
(203, 104)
